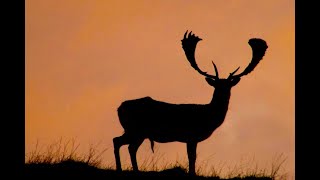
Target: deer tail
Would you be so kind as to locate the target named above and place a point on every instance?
(152, 145)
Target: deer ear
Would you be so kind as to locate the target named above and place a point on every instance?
(211, 82)
(235, 81)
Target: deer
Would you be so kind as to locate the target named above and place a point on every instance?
(163, 122)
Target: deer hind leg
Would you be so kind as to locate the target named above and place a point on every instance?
(133, 148)
(192, 155)
(117, 143)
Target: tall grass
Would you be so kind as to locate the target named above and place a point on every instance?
(61, 152)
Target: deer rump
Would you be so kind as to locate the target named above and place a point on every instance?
(165, 122)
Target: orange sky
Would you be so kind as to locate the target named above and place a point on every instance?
(83, 58)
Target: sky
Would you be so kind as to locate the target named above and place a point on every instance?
(84, 58)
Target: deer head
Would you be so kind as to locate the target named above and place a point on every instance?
(189, 43)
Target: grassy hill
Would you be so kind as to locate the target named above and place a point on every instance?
(62, 161)
(77, 169)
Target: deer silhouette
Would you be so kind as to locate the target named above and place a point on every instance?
(163, 122)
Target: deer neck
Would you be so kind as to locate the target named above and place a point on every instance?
(220, 102)
(215, 112)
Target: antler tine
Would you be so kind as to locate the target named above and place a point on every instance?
(189, 43)
(215, 69)
(185, 35)
(231, 74)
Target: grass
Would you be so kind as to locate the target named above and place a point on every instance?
(61, 159)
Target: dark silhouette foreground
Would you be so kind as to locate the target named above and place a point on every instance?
(146, 118)
(81, 170)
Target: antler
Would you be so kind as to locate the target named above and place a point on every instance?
(259, 47)
(189, 43)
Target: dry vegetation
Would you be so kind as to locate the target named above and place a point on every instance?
(61, 159)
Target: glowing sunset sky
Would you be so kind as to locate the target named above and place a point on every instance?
(83, 58)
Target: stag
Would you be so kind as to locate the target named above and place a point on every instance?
(146, 118)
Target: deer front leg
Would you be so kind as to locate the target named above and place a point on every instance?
(192, 155)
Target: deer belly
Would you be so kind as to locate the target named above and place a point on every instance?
(166, 137)
(178, 133)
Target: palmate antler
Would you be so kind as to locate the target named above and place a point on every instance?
(259, 47)
(189, 43)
